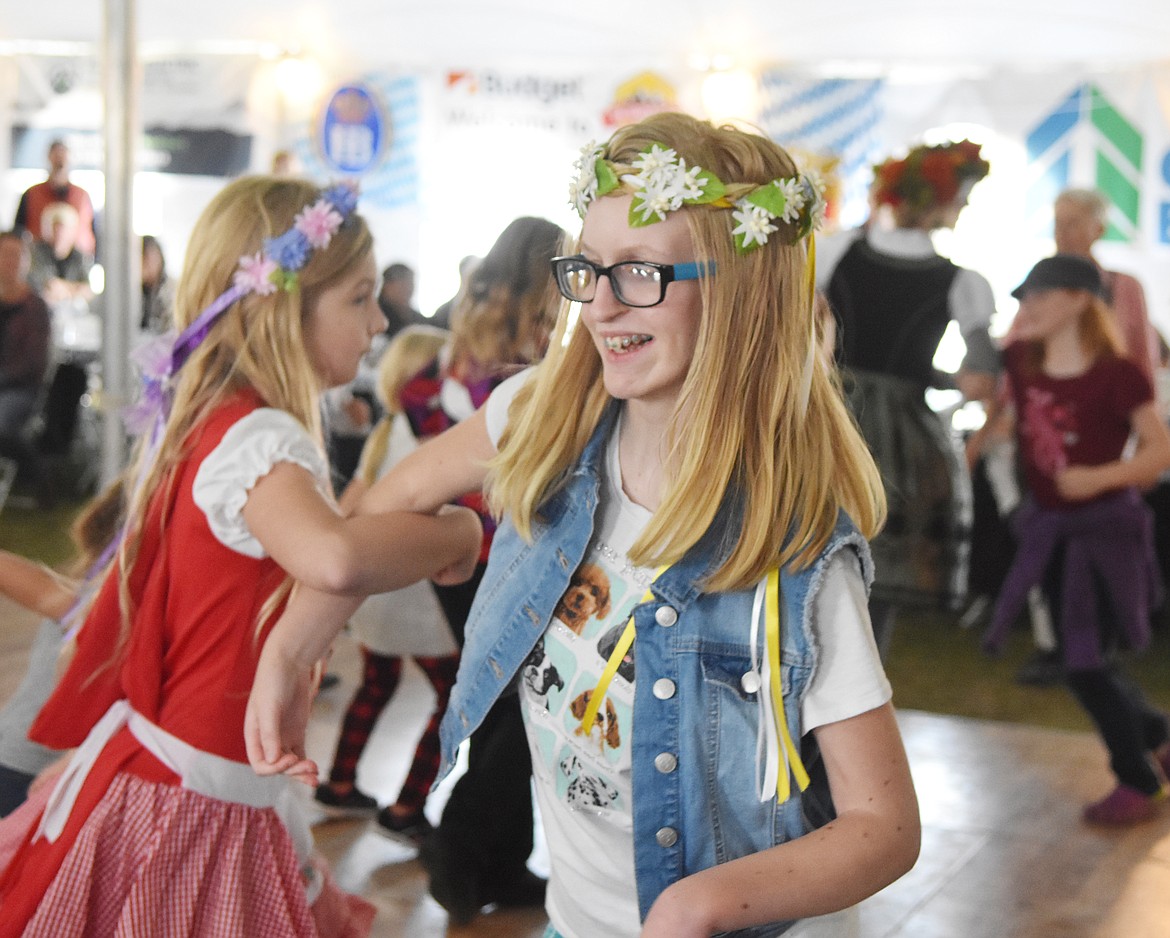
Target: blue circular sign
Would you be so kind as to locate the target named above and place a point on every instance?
(1166, 168)
(354, 130)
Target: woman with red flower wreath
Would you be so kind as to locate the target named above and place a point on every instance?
(893, 297)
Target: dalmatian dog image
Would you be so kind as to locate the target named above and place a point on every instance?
(540, 674)
(606, 720)
(587, 596)
(586, 791)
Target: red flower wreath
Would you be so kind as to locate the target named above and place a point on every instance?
(928, 177)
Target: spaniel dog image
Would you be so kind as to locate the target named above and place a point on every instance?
(606, 719)
(587, 596)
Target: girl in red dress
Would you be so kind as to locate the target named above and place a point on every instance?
(158, 826)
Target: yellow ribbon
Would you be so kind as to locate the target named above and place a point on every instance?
(791, 764)
(614, 662)
(791, 758)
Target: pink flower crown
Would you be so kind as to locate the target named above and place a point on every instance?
(274, 267)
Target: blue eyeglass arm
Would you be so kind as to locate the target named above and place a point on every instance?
(692, 271)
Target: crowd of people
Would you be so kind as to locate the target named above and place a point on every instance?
(671, 482)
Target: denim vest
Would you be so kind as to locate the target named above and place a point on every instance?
(695, 784)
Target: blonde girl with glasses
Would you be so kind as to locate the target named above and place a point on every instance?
(677, 587)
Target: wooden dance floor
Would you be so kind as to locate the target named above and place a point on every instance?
(1004, 854)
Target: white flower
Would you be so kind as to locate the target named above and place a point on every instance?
(817, 210)
(688, 181)
(817, 215)
(793, 197)
(656, 161)
(755, 223)
(583, 189)
(657, 199)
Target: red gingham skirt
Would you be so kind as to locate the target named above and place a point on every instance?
(155, 859)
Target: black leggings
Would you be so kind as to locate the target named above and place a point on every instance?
(1130, 727)
(488, 821)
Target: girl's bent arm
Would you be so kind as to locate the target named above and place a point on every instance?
(874, 840)
(443, 468)
(319, 548)
(1150, 459)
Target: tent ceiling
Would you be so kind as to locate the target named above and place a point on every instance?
(369, 33)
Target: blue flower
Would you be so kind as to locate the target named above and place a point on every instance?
(343, 198)
(290, 250)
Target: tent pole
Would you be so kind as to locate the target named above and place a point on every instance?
(121, 258)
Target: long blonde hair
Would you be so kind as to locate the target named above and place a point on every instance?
(257, 343)
(740, 423)
(406, 355)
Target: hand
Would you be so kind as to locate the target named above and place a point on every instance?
(472, 530)
(277, 715)
(1079, 483)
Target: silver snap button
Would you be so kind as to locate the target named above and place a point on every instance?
(666, 837)
(665, 762)
(665, 616)
(664, 688)
(751, 682)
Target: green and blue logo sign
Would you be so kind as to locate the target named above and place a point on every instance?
(1164, 207)
(1087, 141)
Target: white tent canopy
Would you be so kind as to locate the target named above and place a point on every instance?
(857, 34)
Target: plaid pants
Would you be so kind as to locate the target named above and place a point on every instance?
(379, 681)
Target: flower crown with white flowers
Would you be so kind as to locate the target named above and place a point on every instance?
(664, 183)
(273, 268)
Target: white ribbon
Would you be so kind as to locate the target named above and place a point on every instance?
(768, 752)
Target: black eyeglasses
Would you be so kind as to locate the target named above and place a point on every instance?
(634, 283)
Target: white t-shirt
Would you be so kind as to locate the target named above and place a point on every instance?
(583, 782)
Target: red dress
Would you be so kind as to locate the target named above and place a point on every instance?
(140, 853)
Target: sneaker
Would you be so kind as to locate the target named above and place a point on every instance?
(411, 830)
(352, 803)
(1123, 806)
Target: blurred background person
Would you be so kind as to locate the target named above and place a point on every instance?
(406, 623)
(60, 269)
(442, 317)
(25, 336)
(479, 852)
(893, 297)
(1079, 220)
(57, 188)
(396, 298)
(158, 290)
